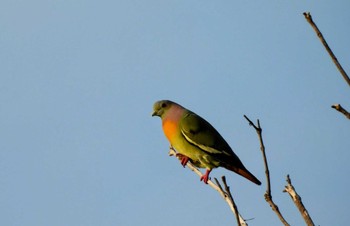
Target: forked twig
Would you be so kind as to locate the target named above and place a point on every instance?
(298, 203)
(225, 194)
(268, 196)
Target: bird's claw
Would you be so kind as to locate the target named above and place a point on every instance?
(183, 159)
(205, 177)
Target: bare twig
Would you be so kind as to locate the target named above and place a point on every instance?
(297, 201)
(226, 195)
(268, 196)
(339, 108)
(330, 52)
(228, 192)
(230, 201)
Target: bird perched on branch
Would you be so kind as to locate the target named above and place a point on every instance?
(197, 141)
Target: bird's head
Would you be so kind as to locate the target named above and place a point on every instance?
(161, 107)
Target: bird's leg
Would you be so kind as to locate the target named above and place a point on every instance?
(205, 177)
(183, 159)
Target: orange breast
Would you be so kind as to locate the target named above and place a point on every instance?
(170, 129)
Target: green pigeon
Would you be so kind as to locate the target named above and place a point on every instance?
(197, 141)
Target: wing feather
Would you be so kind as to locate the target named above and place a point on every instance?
(199, 132)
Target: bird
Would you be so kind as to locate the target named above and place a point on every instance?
(197, 141)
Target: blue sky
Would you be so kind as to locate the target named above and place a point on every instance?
(78, 80)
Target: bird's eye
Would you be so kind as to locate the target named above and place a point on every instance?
(163, 105)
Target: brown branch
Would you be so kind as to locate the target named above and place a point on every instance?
(330, 52)
(227, 192)
(339, 108)
(297, 201)
(268, 196)
(226, 195)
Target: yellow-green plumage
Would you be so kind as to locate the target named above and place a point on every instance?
(193, 137)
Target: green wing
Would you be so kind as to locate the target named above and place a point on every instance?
(200, 133)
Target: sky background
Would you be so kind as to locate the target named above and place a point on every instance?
(78, 79)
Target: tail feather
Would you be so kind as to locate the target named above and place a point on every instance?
(244, 173)
(249, 176)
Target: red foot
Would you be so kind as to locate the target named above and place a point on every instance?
(205, 177)
(183, 159)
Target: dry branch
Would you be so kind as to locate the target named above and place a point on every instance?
(268, 196)
(297, 201)
(339, 108)
(309, 19)
(225, 194)
(330, 52)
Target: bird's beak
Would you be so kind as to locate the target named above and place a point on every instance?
(154, 113)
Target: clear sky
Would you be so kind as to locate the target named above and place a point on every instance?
(78, 79)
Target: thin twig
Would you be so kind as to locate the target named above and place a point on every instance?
(268, 196)
(339, 108)
(330, 52)
(228, 198)
(297, 201)
(226, 195)
(228, 192)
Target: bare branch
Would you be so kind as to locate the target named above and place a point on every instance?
(330, 52)
(297, 201)
(339, 108)
(228, 192)
(268, 196)
(226, 195)
(262, 148)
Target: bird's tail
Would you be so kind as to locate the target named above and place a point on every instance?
(244, 173)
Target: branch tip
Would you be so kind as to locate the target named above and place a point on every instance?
(325, 44)
(289, 188)
(267, 195)
(339, 108)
